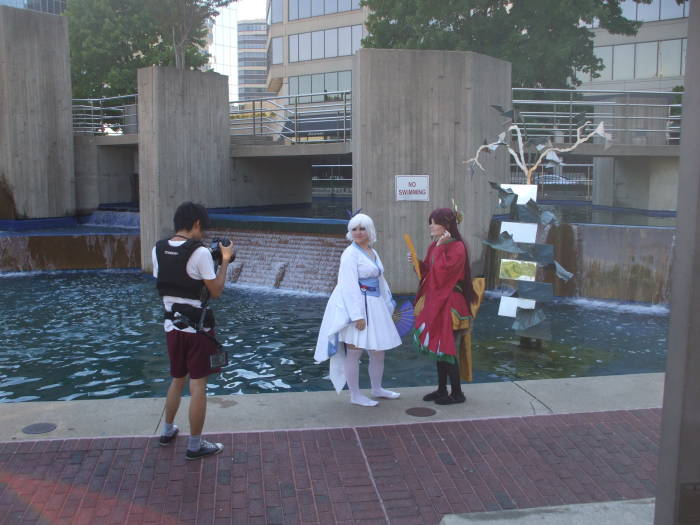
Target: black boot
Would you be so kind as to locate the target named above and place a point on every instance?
(442, 383)
(456, 396)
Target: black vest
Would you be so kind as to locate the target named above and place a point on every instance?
(172, 270)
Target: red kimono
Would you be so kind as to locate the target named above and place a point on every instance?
(440, 304)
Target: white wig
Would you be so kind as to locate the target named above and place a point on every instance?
(362, 220)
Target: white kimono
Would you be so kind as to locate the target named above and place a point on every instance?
(348, 304)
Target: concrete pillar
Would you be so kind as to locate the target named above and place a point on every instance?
(36, 136)
(603, 181)
(184, 151)
(425, 113)
(678, 493)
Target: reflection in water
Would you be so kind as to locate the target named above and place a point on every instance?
(83, 335)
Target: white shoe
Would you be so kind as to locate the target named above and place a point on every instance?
(363, 401)
(386, 394)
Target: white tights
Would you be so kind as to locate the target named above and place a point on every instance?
(376, 371)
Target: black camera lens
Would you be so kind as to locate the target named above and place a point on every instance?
(216, 250)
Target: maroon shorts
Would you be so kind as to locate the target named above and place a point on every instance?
(189, 354)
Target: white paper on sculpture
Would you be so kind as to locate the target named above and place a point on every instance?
(525, 192)
(509, 306)
(525, 232)
(518, 270)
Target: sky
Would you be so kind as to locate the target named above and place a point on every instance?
(248, 9)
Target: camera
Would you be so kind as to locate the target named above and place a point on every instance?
(216, 251)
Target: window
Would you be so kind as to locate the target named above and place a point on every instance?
(623, 62)
(605, 54)
(276, 8)
(317, 45)
(252, 27)
(344, 80)
(670, 9)
(648, 12)
(356, 38)
(684, 45)
(645, 60)
(344, 41)
(252, 54)
(629, 9)
(277, 50)
(319, 83)
(670, 53)
(331, 37)
(317, 87)
(305, 87)
(293, 48)
(330, 85)
(308, 8)
(331, 6)
(341, 41)
(304, 46)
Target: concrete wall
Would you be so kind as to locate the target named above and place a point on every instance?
(36, 137)
(118, 170)
(103, 174)
(263, 181)
(425, 112)
(184, 150)
(649, 183)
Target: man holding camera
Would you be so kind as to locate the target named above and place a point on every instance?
(187, 277)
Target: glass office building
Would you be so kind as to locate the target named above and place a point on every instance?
(55, 7)
(653, 59)
(311, 44)
(252, 59)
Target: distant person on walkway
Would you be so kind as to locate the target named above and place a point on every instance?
(358, 317)
(442, 303)
(185, 274)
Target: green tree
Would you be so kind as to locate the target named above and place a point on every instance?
(183, 23)
(111, 39)
(546, 41)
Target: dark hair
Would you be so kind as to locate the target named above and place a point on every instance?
(447, 218)
(187, 214)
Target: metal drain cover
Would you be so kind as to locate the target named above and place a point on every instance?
(420, 412)
(39, 428)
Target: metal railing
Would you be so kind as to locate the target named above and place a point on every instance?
(574, 178)
(106, 116)
(310, 117)
(631, 117)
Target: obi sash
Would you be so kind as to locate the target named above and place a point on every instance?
(369, 286)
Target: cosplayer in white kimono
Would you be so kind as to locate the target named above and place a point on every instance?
(358, 316)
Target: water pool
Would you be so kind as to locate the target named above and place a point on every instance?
(82, 335)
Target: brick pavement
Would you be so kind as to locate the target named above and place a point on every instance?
(398, 474)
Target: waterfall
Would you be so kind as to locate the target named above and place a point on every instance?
(614, 262)
(288, 261)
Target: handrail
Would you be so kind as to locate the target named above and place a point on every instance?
(631, 117)
(302, 117)
(105, 116)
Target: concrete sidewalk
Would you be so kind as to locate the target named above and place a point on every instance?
(260, 412)
(635, 512)
(407, 474)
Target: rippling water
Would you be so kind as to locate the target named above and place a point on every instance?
(82, 335)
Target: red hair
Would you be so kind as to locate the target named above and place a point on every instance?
(447, 218)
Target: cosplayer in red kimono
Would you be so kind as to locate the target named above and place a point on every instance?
(442, 303)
